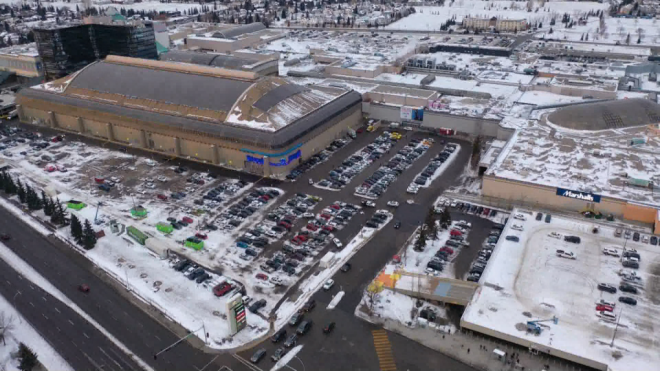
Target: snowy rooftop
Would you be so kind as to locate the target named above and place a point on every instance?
(526, 281)
(600, 162)
(25, 50)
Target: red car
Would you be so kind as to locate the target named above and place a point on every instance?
(360, 130)
(301, 237)
(161, 197)
(265, 197)
(222, 289)
(262, 276)
(604, 308)
(5, 237)
(295, 241)
(336, 207)
(201, 236)
(448, 250)
(329, 228)
(326, 216)
(83, 288)
(312, 227)
(285, 225)
(486, 211)
(187, 220)
(50, 168)
(455, 233)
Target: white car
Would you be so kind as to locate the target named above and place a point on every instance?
(276, 280)
(311, 181)
(463, 223)
(245, 257)
(392, 203)
(114, 178)
(308, 215)
(412, 190)
(566, 254)
(611, 252)
(519, 217)
(328, 284)
(246, 299)
(554, 235)
(370, 204)
(337, 242)
(431, 272)
(517, 227)
(453, 204)
(162, 179)
(410, 202)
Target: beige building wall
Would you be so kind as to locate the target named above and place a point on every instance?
(22, 65)
(159, 138)
(640, 213)
(533, 195)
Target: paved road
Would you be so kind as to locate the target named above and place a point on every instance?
(351, 347)
(81, 344)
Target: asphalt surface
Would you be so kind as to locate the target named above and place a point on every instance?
(81, 344)
(349, 347)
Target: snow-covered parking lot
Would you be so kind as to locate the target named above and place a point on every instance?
(531, 280)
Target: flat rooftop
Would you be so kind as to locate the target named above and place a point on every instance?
(600, 162)
(527, 281)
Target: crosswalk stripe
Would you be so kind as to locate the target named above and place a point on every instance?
(383, 349)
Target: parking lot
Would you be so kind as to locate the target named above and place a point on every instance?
(548, 267)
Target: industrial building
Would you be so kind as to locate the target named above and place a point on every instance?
(235, 119)
(600, 157)
(66, 49)
(247, 62)
(231, 39)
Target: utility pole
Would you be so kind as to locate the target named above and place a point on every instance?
(616, 328)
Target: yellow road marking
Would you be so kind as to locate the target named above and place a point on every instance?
(383, 349)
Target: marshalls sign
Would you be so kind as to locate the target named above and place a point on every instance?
(584, 196)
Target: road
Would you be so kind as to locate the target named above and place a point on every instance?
(81, 344)
(350, 347)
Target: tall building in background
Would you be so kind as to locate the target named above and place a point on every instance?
(67, 49)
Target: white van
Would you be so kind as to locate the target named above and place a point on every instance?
(607, 316)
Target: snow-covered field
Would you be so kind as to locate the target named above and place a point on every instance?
(430, 18)
(22, 332)
(527, 281)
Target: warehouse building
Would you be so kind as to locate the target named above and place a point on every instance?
(251, 63)
(236, 119)
(599, 157)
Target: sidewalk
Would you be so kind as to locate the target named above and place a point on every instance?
(476, 350)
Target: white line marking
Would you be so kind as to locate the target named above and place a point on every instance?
(71, 322)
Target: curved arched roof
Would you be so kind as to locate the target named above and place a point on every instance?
(607, 115)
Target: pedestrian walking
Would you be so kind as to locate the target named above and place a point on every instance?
(468, 350)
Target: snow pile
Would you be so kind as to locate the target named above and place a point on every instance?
(287, 358)
(335, 300)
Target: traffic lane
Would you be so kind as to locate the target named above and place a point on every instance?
(79, 342)
(67, 269)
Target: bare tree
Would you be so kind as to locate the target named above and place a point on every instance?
(373, 294)
(6, 327)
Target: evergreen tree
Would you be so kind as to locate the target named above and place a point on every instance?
(58, 213)
(446, 217)
(420, 243)
(3, 177)
(76, 229)
(10, 186)
(476, 150)
(44, 201)
(429, 224)
(20, 190)
(28, 359)
(89, 236)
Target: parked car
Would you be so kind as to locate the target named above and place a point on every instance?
(258, 355)
(291, 341)
(628, 288)
(513, 238)
(328, 284)
(611, 252)
(572, 239)
(628, 300)
(304, 327)
(278, 336)
(279, 352)
(607, 287)
(311, 304)
(566, 254)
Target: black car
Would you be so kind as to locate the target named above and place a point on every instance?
(636, 236)
(309, 305)
(573, 239)
(254, 308)
(548, 217)
(304, 327)
(539, 216)
(513, 238)
(203, 277)
(182, 265)
(628, 288)
(346, 267)
(278, 336)
(258, 355)
(606, 287)
(291, 341)
(397, 224)
(295, 319)
(628, 300)
(654, 240)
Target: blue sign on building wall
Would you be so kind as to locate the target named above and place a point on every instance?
(584, 196)
(283, 162)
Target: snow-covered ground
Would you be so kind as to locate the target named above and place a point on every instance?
(527, 281)
(22, 332)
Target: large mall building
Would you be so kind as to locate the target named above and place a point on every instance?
(230, 118)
